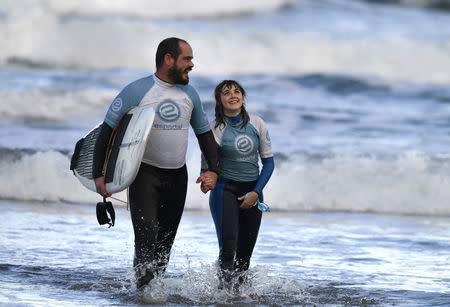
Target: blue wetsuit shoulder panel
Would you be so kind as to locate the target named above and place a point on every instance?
(129, 97)
(199, 121)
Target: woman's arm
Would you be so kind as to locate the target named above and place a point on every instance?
(266, 173)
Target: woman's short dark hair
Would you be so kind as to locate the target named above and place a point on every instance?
(171, 46)
(219, 107)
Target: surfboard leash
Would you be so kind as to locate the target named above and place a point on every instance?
(122, 201)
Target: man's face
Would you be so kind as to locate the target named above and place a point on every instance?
(182, 66)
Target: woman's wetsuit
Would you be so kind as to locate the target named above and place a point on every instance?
(239, 151)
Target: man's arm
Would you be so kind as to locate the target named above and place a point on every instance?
(208, 146)
(129, 97)
(99, 158)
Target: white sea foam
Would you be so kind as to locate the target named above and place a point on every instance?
(163, 9)
(273, 51)
(131, 43)
(42, 176)
(52, 104)
(405, 185)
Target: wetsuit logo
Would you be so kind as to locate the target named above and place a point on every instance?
(168, 111)
(267, 137)
(243, 144)
(117, 104)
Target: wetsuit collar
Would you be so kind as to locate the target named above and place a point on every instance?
(235, 120)
(162, 82)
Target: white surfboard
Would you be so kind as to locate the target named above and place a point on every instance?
(124, 154)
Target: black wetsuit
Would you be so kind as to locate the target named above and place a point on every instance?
(158, 193)
(156, 203)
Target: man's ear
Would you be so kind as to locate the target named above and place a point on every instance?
(169, 59)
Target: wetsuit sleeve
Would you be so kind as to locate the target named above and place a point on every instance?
(100, 150)
(266, 154)
(129, 97)
(266, 173)
(199, 121)
(265, 145)
(209, 147)
(203, 164)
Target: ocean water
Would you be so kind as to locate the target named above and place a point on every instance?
(356, 96)
(57, 255)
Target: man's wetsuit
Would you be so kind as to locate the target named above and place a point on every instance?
(158, 193)
(239, 150)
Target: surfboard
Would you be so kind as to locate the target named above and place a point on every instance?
(124, 153)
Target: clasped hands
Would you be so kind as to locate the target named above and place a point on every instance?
(208, 182)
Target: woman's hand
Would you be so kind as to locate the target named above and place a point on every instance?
(249, 201)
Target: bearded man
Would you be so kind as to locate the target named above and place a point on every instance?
(157, 195)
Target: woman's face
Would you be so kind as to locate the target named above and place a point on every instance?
(232, 100)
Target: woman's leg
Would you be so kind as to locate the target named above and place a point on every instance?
(249, 223)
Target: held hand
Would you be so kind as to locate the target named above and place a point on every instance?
(101, 187)
(249, 201)
(208, 181)
(204, 188)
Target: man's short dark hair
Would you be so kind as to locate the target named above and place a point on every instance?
(169, 45)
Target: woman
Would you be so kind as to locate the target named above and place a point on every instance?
(241, 138)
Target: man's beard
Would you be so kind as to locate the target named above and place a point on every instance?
(176, 75)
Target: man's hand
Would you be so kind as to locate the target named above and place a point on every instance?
(101, 187)
(208, 181)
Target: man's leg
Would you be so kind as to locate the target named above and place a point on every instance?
(174, 186)
(144, 196)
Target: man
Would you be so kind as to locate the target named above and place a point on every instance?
(158, 194)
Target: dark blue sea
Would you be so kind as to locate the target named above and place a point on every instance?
(356, 96)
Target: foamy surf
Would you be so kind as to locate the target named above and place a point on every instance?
(409, 184)
(408, 52)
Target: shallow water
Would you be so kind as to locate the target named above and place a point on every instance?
(57, 254)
